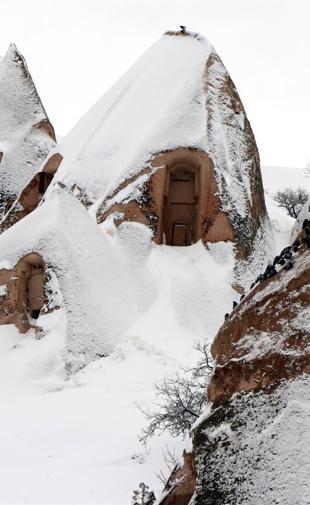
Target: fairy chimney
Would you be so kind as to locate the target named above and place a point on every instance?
(170, 146)
(26, 134)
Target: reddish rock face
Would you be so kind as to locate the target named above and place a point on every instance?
(32, 194)
(26, 134)
(262, 364)
(267, 338)
(24, 288)
(242, 452)
(181, 484)
(178, 201)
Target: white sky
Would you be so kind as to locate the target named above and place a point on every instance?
(76, 49)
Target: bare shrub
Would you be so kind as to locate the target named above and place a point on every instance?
(171, 462)
(292, 200)
(180, 399)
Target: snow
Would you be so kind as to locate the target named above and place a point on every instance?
(78, 440)
(261, 454)
(23, 145)
(159, 104)
(3, 290)
(94, 287)
(120, 134)
(130, 310)
(74, 439)
(304, 214)
(174, 96)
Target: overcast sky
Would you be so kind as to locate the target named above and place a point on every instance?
(76, 49)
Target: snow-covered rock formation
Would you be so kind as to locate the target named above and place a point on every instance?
(252, 443)
(176, 161)
(91, 281)
(26, 134)
(88, 273)
(175, 109)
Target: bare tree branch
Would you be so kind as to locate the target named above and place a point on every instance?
(292, 200)
(180, 398)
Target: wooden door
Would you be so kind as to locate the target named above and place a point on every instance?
(180, 207)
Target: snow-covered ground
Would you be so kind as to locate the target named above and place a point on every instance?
(76, 441)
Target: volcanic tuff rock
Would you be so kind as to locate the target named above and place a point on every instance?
(116, 158)
(26, 134)
(252, 443)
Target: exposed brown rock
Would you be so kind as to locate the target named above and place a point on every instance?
(261, 354)
(223, 90)
(32, 194)
(153, 205)
(262, 342)
(25, 295)
(26, 133)
(181, 484)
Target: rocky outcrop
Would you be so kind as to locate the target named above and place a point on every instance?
(26, 134)
(254, 438)
(32, 194)
(123, 158)
(181, 484)
(252, 443)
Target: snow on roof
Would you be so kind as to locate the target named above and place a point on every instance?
(24, 146)
(98, 299)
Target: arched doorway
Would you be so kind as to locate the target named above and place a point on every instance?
(36, 290)
(180, 205)
(31, 284)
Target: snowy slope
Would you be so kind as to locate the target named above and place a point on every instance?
(75, 441)
(78, 440)
(157, 105)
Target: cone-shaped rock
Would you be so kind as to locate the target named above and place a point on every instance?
(26, 134)
(170, 145)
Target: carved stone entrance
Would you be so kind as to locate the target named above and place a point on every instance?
(180, 205)
(31, 284)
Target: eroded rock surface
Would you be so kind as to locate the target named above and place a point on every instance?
(26, 133)
(252, 443)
